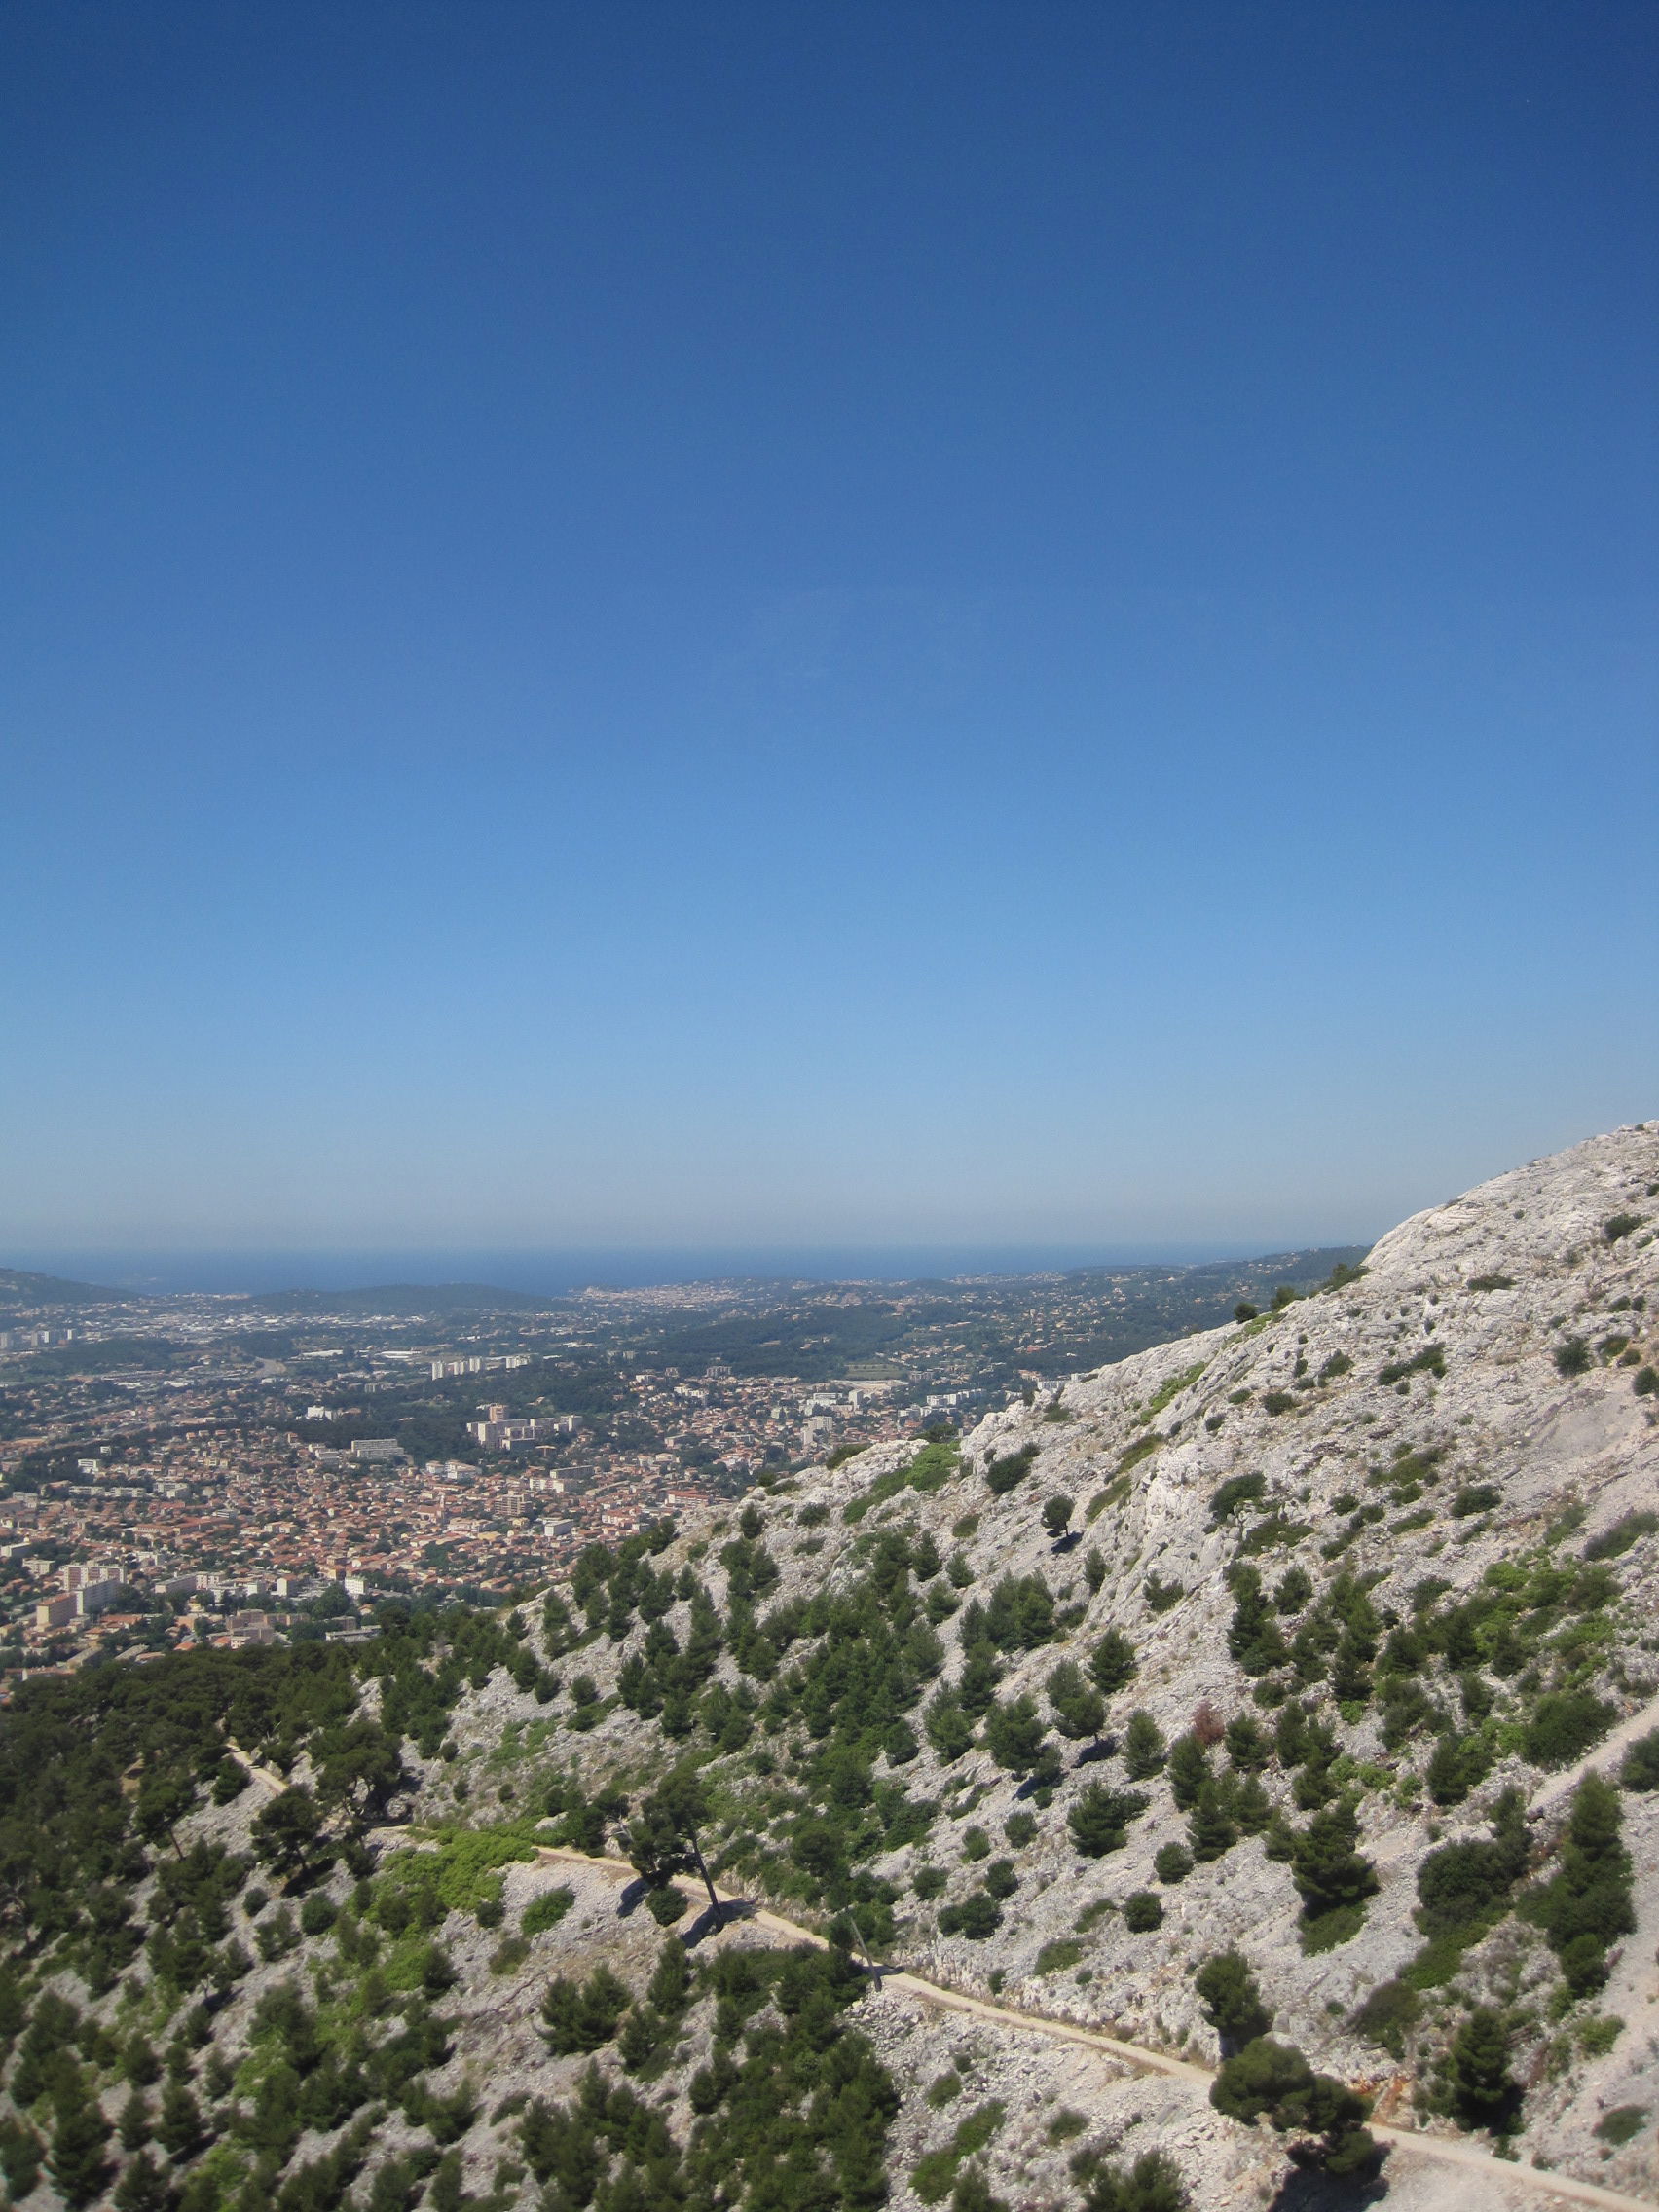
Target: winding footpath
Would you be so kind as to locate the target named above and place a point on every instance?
(1446, 2150)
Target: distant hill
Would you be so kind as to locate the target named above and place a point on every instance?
(405, 1298)
(17, 1287)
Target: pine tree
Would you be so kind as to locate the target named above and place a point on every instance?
(1143, 1747)
(1099, 1819)
(1247, 1745)
(143, 2187)
(78, 2162)
(1233, 2004)
(1325, 1868)
(1483, 2093)
(1112, 1663)
(179, 2131)
(1210, 1827)
(1189, 1770)
(1079, 1710)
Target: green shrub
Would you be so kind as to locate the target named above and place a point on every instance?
(1153, 2184)
(1640, 1767)
(1476, 1497)
(1431, 1360)
(978, 1917)
(1596, 2038)
(1238, 1491)
(933, 2173)
(1629, 1529)
(1646, 1381)
(583, 2018)
(1142, 1912)
(929, 1882)
(546, 1910)
(1573, 1357)
(1020, 1829)
(1565, 1723)
(1054, 1958)
(1160, 1595)
(1099, 1819)
(317, 1914)
(1587, 1903)
(1388, 2014)
(1620, 1225)
(1622, 2125)
(1231, 2001)
(1277, 1401)
(1274, 2082)
(1173, 1863)
(1492, 1283)
(1012, 1469)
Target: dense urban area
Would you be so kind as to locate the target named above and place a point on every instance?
(233, 1470)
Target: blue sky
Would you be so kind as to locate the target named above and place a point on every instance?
(734, 625)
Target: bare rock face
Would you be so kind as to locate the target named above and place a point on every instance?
(1414, 1510)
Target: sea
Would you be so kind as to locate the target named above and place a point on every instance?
(559, 1270)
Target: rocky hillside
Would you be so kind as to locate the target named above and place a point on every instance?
(1281, 1699)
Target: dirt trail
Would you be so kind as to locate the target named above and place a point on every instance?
(1446, 2150)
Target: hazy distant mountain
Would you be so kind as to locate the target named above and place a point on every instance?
(17, 1287)
(403, 1299)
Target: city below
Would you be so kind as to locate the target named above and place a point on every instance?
(236, 1470)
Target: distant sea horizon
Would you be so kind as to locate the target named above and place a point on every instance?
(557, 1271)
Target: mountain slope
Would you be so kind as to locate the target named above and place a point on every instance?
(1412, 1426)
(1349, 1601)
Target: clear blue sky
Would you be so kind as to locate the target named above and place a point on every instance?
(673, 623)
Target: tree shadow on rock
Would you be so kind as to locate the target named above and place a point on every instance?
(1308, 2188)
(707, 1923)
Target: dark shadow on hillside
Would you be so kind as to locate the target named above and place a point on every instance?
(707, 1924)
(1311, 2189)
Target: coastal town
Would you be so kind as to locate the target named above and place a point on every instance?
(212, 1469)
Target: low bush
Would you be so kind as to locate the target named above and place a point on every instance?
(1010, 1469)
(978, 1917)
(1238, 1491)
(1622, 2125)
(1476, 1497)
(1431, 1360)
(546, 1911)
(1389, 2016)
(1142, 1912)
(1628, 1530)
(1565, 1723)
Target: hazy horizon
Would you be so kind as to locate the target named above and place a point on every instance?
(555, 1273)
